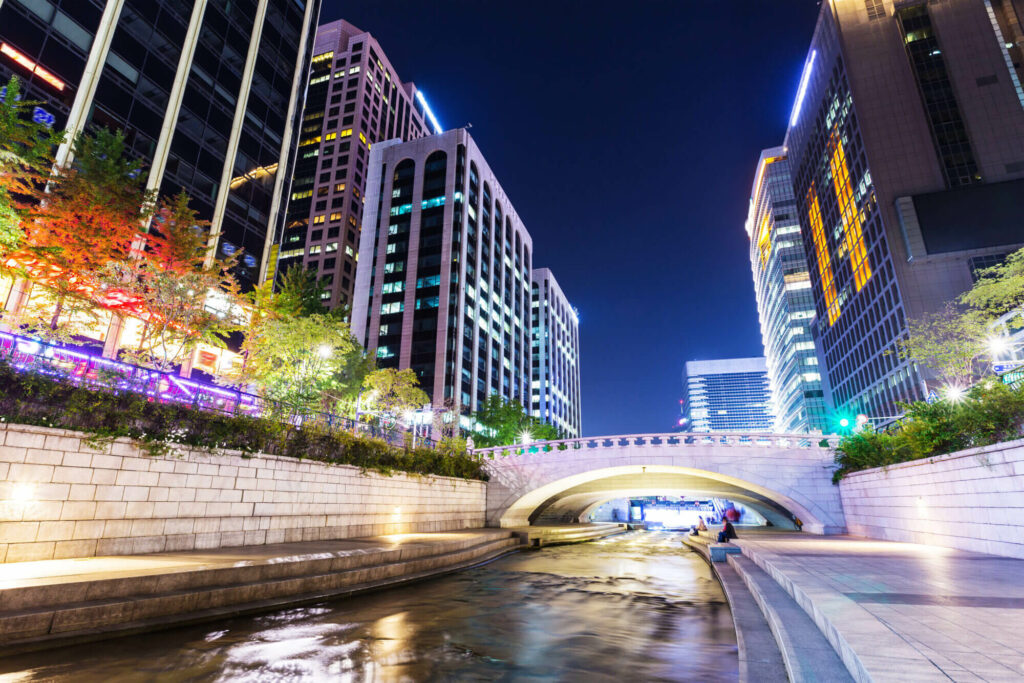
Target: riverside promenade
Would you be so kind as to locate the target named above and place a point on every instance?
(902, 611)
(49, 602)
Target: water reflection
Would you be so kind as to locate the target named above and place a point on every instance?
(632, 607)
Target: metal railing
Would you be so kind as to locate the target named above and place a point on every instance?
(77, 366)
(728, 439)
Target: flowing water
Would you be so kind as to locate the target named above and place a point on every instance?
(634, 607)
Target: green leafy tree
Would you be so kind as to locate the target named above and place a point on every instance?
(507, 422)
(299, 293)
(999, 289)
(182, 299)
(26, 157)
(301, 362)
(392, 392)
(950, 343)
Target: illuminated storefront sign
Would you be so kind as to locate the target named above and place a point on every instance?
(39, 115)
(24, 61)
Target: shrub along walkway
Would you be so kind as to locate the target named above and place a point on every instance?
(902, 611)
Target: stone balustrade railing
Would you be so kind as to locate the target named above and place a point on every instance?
(728, 439)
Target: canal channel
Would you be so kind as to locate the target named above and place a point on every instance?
(638, 606)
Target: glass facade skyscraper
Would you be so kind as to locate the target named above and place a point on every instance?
(785, 304)
(445, 265)
(354, 99)
(728, 395)
(206, 91)
(555, 387)
(906, 146)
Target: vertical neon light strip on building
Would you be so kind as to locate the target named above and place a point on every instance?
(853, 235)
(828, 285)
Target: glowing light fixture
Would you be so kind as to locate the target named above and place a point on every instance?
(31, 66)
(802, 89)
(525, 436)
(430, 114)
(324, 351)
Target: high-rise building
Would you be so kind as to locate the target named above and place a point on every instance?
(354, 99)
(207, 93)
(443, 285)
(555, 356)
(728, 395)
(785, 305)
(906, 145)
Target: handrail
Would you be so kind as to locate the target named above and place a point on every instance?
(728, 439)
(77, 367)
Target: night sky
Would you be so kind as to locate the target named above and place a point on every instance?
(626, 136)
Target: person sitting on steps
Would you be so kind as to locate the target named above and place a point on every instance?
(728, 532)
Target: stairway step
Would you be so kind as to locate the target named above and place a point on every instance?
(806, 652)
(84, 620)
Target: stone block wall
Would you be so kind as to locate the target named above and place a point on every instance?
(61, 499)
(970, 500)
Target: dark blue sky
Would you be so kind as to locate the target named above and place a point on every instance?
(626, 136)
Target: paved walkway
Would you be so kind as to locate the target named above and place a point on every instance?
(901, 611)
(48, 572)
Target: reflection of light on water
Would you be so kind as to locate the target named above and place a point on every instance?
(303, 651)
(637, 606)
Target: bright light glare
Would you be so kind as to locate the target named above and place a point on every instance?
(998, 345)
(525, 436)
(324, 351)
(22, 493)
(954, 394)
(845, 422)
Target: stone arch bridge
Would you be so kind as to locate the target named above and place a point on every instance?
(778, 475)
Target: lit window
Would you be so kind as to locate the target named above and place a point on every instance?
(322, 57)
(432, 203)
(319, 79)
(336, 216)
(302, 195)
(346, 133)
(362, 138)
(333, 246)
(395, 307)
(348, 250)
(310, 141)
(330, 136)
(314, 250)
(340, 187)
(353, 70)
(318, 220)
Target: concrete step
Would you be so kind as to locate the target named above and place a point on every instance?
(759, 656)
(32, 617)
(806, 652)
(537, 536)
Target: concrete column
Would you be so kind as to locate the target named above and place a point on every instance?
(298, 85)
(90, 78)
(241, 104)
(163, 146)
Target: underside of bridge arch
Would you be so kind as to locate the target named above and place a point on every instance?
(572, 498)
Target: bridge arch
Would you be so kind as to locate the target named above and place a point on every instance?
(777, 475)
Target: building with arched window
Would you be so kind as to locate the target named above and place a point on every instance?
(444, 279)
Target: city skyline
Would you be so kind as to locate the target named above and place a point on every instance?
(542, 146)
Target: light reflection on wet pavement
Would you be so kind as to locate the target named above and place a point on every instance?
(638, 607)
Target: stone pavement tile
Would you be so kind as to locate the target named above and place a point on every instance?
(898, 670)
(959, 608)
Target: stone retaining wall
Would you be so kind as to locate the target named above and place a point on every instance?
(60, 499)
(970, 500)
